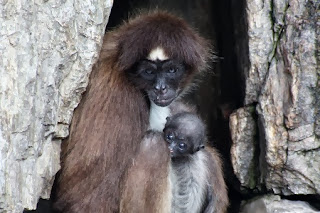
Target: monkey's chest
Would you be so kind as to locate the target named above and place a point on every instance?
(158, 115)
(188, 190)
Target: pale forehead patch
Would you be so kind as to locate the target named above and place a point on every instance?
(157, 54)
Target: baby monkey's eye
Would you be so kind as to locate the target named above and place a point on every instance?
(182, 145)
(170, 137)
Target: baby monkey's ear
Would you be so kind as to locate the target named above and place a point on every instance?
(200, 147)
(168, 118)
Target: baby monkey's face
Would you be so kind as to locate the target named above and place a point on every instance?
(179, 144)
(185, 134)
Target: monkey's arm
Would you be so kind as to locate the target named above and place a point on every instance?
(145, 185)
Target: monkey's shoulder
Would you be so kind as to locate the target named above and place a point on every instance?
(180, 106)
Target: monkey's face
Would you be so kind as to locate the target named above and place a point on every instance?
(180, 142)
(161, 80)
(179, 145)
(185, 134)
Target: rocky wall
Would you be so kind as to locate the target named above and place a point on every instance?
(47, 50)
(281, 77)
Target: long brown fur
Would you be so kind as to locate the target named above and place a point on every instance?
(217, 181)
(102, 139)
(146, 184)
(108, 123)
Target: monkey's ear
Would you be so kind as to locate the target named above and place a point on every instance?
(168, 118)
(200, 147)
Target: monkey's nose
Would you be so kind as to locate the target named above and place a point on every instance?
(161, 88)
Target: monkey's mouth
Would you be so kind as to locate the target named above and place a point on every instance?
(163, 102)
(172, 155)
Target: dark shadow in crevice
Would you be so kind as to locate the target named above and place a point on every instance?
(313, 200)
(231, 31)
(43, 206)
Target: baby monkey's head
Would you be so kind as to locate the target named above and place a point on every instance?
(185, 133)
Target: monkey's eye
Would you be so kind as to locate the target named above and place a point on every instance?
(170, 137)
(182, 146)
(172, 70)
(149, 72)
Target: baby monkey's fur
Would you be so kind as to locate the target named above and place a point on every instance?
(186, 177)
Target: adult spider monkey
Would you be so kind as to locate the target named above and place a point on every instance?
(155, 55)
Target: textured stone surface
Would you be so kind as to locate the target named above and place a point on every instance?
(271, 204)
(47, 51)
(282, 78)
(244, 153)
(260, 46)
(287, 102)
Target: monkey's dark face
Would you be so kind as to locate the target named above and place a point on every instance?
(185, 134)
(161, 80)
(179, 144)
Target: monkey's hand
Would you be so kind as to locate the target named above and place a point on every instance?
(151, 138)
(153, 144)
(152, 134)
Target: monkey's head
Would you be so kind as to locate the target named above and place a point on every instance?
(160, 79)
(185, 134)
(160, 54)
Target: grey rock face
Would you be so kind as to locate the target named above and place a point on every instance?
(244, 153)
(260, 47)
(273, 203)
(283, 79)
(47, 51)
